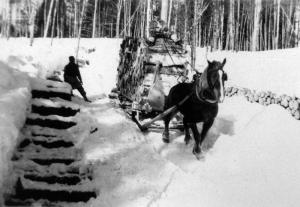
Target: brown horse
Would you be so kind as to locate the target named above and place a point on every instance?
(201, 105)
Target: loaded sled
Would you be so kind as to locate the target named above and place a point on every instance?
(147, 70)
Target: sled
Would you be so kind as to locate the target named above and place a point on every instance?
(147, 70)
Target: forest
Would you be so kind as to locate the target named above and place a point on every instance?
(239, 25)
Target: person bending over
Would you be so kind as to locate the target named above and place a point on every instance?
(73, 77)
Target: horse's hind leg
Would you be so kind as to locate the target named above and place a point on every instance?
(187, 137)
(167, 119)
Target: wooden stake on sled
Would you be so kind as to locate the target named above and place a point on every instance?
(145, 126)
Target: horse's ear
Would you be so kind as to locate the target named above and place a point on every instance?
(224, 61)
(208, 62)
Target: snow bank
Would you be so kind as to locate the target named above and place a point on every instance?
(99, 55)
(14, 99)
(250, 160)
(276, 71)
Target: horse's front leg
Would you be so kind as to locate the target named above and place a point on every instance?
(187, 137)
(206, 126)
(167, 119)
(165, 135)
(196, 149)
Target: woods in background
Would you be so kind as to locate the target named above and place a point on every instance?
(219, 24)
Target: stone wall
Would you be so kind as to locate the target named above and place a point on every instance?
(290, 103)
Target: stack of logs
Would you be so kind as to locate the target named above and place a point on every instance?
(130, 72)
(292, 104)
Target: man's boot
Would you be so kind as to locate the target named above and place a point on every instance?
(83, 93)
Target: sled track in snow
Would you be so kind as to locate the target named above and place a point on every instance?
(47, 168)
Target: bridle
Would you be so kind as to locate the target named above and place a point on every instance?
(199, 82)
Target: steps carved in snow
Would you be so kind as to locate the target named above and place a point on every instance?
(47, 166)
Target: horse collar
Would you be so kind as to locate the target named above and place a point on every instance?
(199, 93)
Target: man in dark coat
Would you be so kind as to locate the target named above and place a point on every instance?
(73, 77)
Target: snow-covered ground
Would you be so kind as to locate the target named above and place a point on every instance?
(14, 99)
(250, 154)
(276, 71)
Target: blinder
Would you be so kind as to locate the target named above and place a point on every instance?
(225, 77)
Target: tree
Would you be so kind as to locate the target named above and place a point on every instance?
(48, 19)
(148, 19)
(95, 18)
(119, 8)
(256, 27)
(164, 10)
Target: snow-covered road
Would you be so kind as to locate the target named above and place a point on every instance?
(249, 159)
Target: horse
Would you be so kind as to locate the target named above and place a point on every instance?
(200, 105)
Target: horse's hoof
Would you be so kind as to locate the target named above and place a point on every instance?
(196, 151)
(165, 140)
(199, 156)
(187, 140)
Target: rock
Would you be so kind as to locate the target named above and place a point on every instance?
(293, 104)
(297, 115)
(261, 101)
(284, 102)
(256, 97)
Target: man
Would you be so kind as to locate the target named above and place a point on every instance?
(73, 77)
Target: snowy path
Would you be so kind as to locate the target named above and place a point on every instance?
(248, 160)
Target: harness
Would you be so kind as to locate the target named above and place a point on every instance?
(201, 81)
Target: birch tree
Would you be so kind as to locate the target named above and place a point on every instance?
(95, 18)
(48, 19)
(119, 8)
(164, 11)
(148, 18)
(256, 27)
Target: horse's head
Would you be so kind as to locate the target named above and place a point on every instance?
(210, 86)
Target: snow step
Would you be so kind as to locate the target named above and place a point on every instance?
(50, 161)
(42, 135)
(24, 143)
(56, 124)
(46, 144)
(46, 110)
(15, 202)
(52, 179)
(51, 195)
(54, 144)
(50, 94)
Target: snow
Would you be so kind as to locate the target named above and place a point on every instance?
(250, 156)
(14, 99)
(275, 71)
(253, 165)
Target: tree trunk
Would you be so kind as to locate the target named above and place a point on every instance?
(277, 24)
(164, 10)
(255, 34)
(148, 18)
(95, 19)
(176, 17)
(80, 26)
(53, 20)
(193, 55)
(170, 13)
(119, 7)
(230, 35)
(48, 19)
(186, 21)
